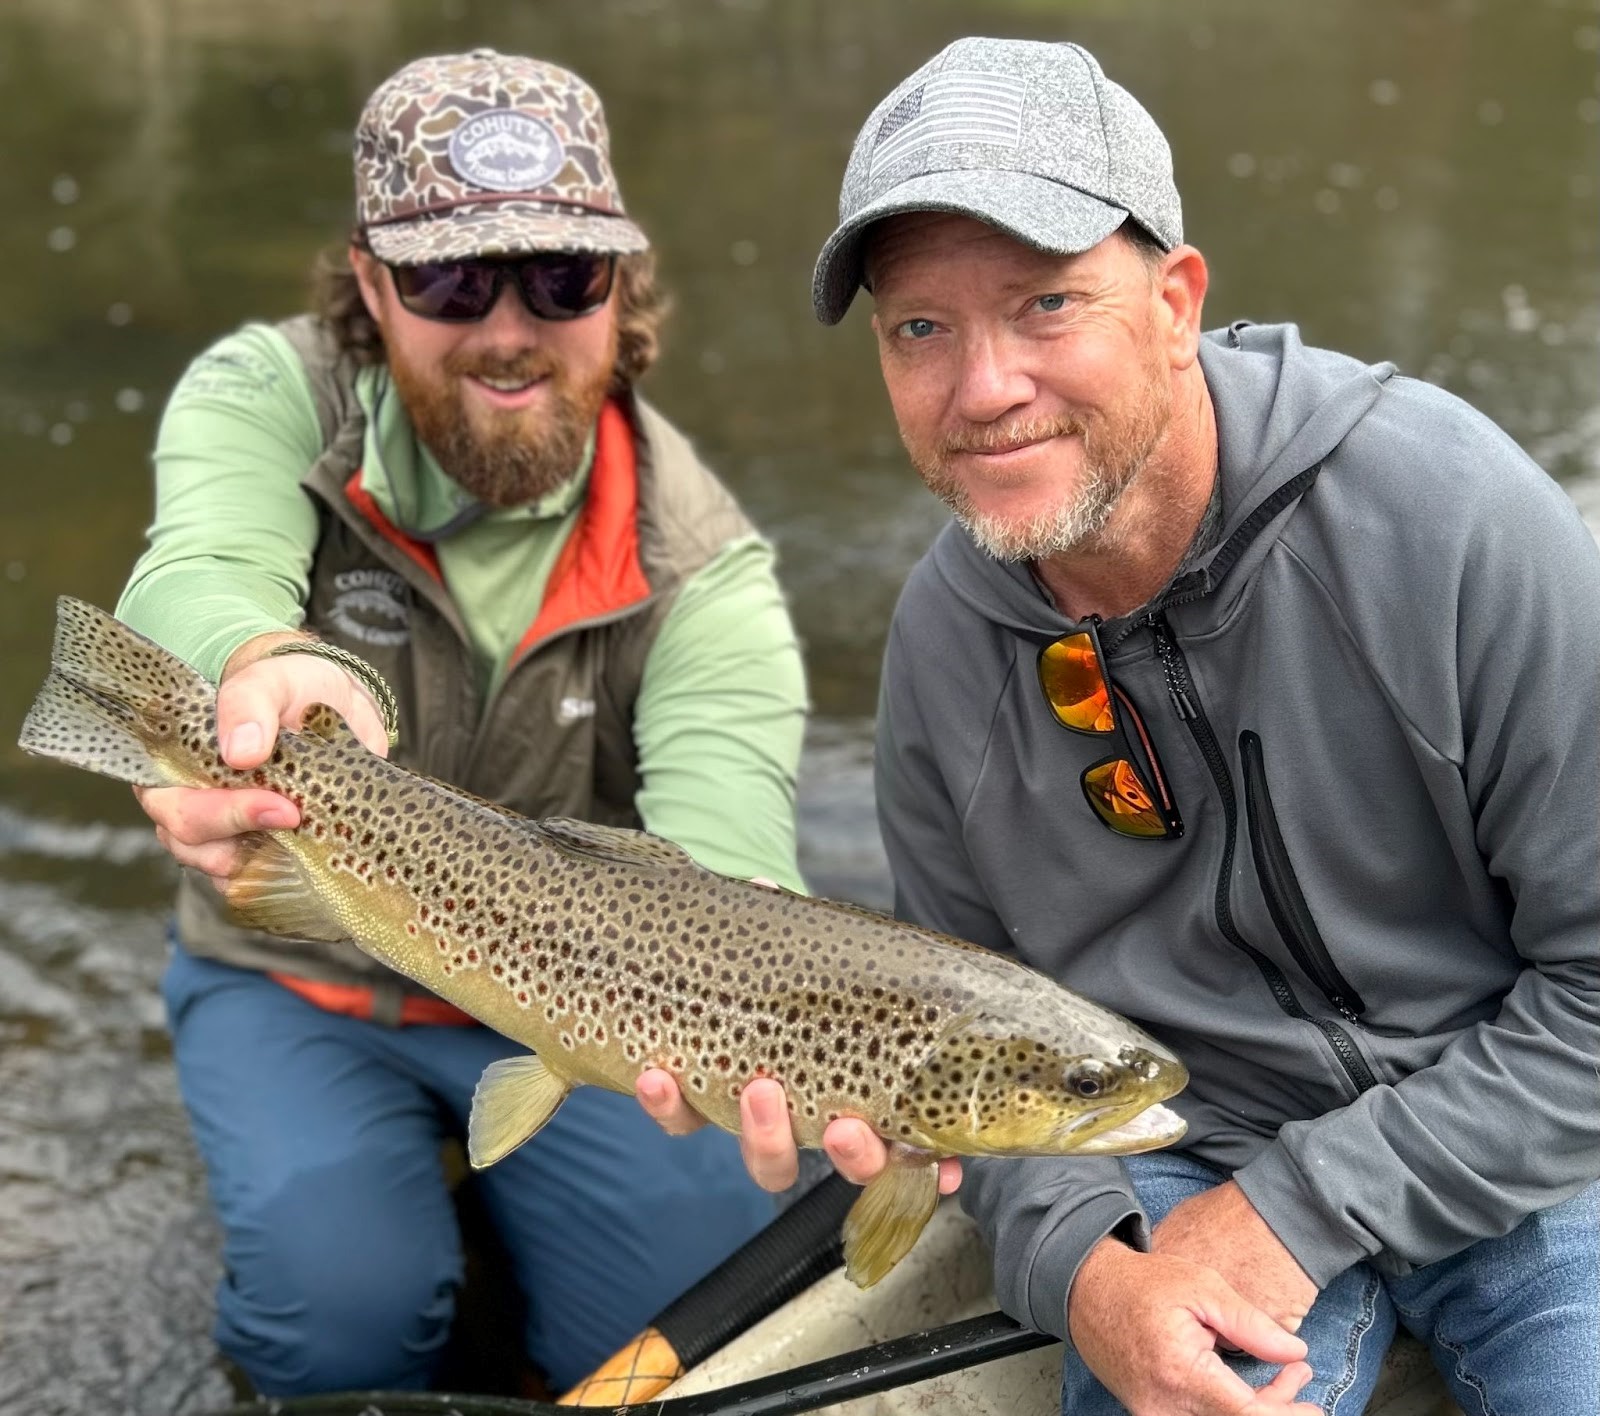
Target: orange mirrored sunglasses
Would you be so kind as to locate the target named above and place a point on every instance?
(1127, 791)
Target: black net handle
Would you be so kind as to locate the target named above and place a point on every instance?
(799, 1247)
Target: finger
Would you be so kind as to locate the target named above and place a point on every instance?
(949, 1175)
(857, 1151)
(195, 816)
(250, 708)
(766, 1137)
(1212, 1388)
(219, 859)
(659, 1095)
(1281, 1391)
(1242, 1325)
(274, 693)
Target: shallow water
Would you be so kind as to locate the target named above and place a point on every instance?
(1408, 180)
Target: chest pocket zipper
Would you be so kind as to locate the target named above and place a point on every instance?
(1285, 902)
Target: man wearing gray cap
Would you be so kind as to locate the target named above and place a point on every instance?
(1252, 693)
(438, 505)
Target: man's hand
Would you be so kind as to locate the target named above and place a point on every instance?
(257, 696)
(1147, 1325)
(766, 1138)
(1221, 1229)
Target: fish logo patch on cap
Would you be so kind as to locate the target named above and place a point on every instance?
(506, 151)
(478, 155)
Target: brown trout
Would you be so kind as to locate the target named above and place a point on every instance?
(607, 951)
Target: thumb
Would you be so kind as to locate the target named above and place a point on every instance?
(1246, 1327)
(248, 714)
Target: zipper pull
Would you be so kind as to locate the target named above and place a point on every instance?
(1182, 704)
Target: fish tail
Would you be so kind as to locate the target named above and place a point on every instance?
(109, 699)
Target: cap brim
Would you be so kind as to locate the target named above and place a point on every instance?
(1049, 216)
(502, 229)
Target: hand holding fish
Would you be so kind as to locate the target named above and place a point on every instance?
(1148, 1326)
(200, 826)
(1221, 1229)
(766, 1136)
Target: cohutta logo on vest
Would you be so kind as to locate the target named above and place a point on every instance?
(371, 606)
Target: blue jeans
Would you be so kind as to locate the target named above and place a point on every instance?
(1513, 1323)
(321, 1139)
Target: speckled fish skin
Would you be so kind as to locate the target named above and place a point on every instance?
(609, 951)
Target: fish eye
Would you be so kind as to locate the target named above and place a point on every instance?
(1089, 1079)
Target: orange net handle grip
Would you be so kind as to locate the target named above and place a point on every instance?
(644, 1368)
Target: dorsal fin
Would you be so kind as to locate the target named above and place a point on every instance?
(499, 808)
(614, 843)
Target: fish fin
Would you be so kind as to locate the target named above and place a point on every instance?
(319, 720)
(108, 698)
(513, 1099)
(890, 1215)
(71, 724)
(499, 808)
(271, 892)
(100, 652)
(615, 843)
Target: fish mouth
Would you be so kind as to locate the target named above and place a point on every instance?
(1125, 1130)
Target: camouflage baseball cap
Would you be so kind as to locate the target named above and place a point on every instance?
(486, 154)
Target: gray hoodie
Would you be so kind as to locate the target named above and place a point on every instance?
(1377, 944)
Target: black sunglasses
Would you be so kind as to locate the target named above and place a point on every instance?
(555, 285)
(1127, 791)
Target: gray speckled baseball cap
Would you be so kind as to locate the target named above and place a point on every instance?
(1028, 136)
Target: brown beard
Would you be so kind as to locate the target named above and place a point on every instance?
(1113, 456)
(509, 464)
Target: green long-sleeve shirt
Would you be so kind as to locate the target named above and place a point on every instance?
(720, 712)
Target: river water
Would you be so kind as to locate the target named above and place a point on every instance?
(1413, 180)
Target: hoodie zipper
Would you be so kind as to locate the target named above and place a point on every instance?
(1180, 687)
(1285, 901)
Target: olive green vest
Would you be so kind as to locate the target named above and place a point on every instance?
(556, 737)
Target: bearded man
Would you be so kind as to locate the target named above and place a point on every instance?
(436, 504)
(1252, 692)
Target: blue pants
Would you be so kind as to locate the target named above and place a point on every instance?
(321, 1139)
(1513, 1323)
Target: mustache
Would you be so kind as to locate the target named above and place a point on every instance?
(522, 367)
(1003, 437)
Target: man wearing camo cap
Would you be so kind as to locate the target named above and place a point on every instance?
(441, 485)
(1252, 692)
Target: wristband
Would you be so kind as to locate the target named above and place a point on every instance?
(358, 669)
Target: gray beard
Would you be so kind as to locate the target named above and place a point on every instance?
(1050, 533)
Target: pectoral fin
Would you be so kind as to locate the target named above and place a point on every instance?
(892, 1211)
(514, 1098)
(270, 891)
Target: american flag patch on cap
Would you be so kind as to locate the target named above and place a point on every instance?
(959, 106)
